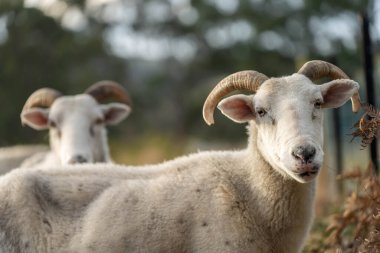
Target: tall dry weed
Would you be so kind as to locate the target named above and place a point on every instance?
(356, 227)
(368, 126)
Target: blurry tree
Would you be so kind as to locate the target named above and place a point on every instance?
(38, 52)
(210, 39)
(175, 51)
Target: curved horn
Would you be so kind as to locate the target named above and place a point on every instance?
(316, 69)
(243, 80)
(43, 97)
(104, 90)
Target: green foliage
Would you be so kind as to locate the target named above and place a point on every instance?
(168, 93)
(39, 52)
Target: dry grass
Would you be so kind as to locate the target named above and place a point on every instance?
(368, 126)
(355, 227)
(148, 149)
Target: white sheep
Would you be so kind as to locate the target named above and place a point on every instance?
(259, 199)
(76, 123)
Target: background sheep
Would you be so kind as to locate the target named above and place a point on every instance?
(76, 123)
(259, 199)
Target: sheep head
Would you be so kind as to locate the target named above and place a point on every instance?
(287, 113)
(77, 123)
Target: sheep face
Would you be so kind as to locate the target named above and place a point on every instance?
(287, 113)
(77, 127)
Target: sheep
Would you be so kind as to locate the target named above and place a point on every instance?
(12, 156)
(76, 123)
(259, 199)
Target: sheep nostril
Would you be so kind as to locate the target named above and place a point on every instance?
(297, 153)
(81, 159)
(78, 159)
(304, 153)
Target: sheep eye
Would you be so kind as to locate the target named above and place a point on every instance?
(99, 121)
(318, 104)
(261, 112)
(92, 132)
(52, 124)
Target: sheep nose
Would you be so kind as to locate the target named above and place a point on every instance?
(77, 159)
(304, 153)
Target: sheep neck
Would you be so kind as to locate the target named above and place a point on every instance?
(286, 206)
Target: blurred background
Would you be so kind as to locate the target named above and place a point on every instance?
(169, 54)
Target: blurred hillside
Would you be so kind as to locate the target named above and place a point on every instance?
(169, 55)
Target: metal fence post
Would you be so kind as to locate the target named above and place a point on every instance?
(370, 83)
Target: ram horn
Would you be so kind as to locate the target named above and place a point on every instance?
(43, 97)
(105, 90)
(244, 80)
(316, 70)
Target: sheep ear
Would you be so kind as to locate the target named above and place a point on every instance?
(114, 113)
(36, 118)
(338, 92)
(238, 108)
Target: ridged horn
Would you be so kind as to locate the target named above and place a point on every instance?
(316, 70)
(43, 97)
(244, 80)
(104, 90)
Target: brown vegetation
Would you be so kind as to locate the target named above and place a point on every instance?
(356, 227)
(367, 127)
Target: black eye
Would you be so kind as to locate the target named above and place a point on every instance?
(318, 104)
(99, 121)
(52, 124)
(261, 112)
(92, 132)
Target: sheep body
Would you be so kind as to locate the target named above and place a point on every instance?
(195, 197)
